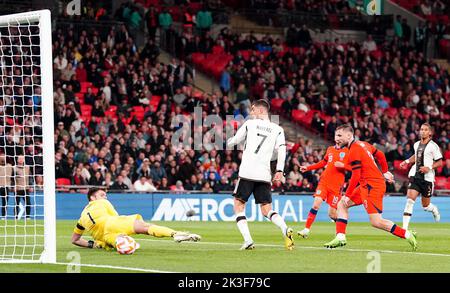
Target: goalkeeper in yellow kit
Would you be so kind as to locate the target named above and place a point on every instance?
(103, 223)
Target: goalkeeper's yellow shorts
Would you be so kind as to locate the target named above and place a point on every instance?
(120, 225)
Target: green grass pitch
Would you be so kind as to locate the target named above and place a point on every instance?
(219, 251)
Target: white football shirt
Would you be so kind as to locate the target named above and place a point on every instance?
(425, 155)
(262, 138)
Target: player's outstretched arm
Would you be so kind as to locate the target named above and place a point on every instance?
(318, 165)
(239, 137)
(79, 241)
(406, 162)
(381, 159)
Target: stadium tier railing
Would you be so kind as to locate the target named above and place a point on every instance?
(78, 25)
(285, 18)
(85, 188)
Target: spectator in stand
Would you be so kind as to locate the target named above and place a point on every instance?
(225, 81)
(6, 174)
(303, 106)
(331, 126)
(150, 51)
(419, 37)
(349, 74)
(306, 186)
(157, 172)
(165, 20)
(398, 29)
(292, 36)
(369, 44)
(304, 37)
(179, 186)
(144, 185)
(193, 184)
(151, 21)
(440, 30)
(119, 184)
(425, 8)
(406, 30)
(223, 185)
(318, 123)
(446, 169)
(204, 20)
(207, 187)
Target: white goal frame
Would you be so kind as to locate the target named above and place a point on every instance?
(43, 17)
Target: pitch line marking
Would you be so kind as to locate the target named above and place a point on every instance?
(311, 247)
(113, 267)
(305, 247)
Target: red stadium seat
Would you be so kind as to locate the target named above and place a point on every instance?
(406, 112)
(444, 19)
(86, 113)
(276, 104)
(398, 169)
(391, 112)
(198, 58)
(218, 50)
(441, 182)
(86, 84)
(86, 108)
(138, 109)
(154, 101)
(298, 115)
(309, 116)
(111, 112)
(63, 181)
(245, 54)
(198, 95)
(86, 119)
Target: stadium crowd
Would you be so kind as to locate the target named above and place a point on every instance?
(101, 82)
(384, 90)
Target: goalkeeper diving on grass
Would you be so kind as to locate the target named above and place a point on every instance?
(100, 220)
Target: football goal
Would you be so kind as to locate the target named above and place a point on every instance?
(27, 180)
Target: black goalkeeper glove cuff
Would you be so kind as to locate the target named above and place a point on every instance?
(91, 244)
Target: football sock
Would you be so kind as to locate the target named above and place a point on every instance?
(397, 231)
(277, 220)
(160, 231)
(341, 226)
(311, 217)
(241, 221)
(408, 212)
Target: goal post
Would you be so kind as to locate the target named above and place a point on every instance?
(27, 175)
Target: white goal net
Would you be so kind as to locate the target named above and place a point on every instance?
(27, 223)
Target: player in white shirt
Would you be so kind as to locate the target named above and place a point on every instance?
(426, 159)
(262, 138)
